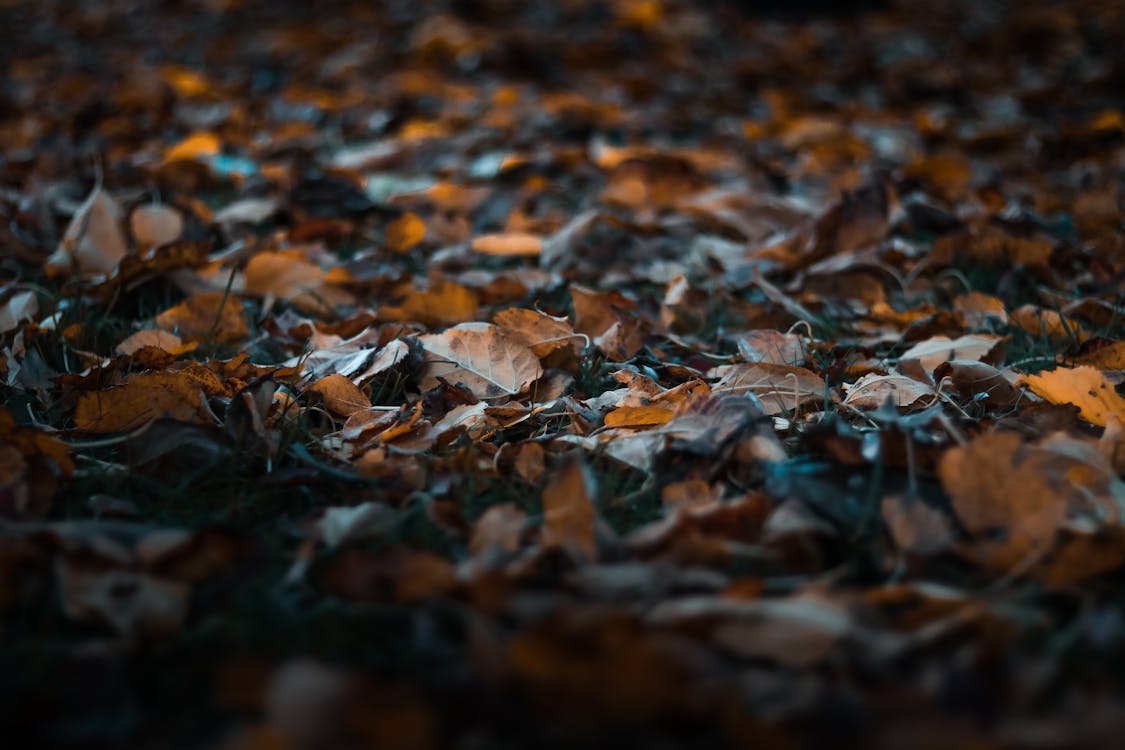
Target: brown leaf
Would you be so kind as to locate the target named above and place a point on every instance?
(780, 388)
(1001, 493)
(289, 275)
(443, 304)
(221, 316)
(539, 332)
(872, 391)
(20, 306)
(141, 398)
(341, 395)
(569, 516)
(480, 357)
(500, 527)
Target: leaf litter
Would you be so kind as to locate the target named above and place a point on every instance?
(466, 374)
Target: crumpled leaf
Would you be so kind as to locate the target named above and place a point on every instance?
(1085, 387)
(872, 391)
(480, 357)
(779, 388)
(94, 242)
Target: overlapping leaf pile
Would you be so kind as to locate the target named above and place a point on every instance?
(472, 374)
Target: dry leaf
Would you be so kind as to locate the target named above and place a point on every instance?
(341, 395)
(872, 391)
(163, 340)
(405, 232)
(288, 275)
(511, 243)
(480, 357)
(193, 147)
(569, 516)
(1085, 387)
(94, 241)
(780, 388)
(20, 306)
(539, 332)
(141, 398)
(444, 304)
(498, 528)
(933, 352)
(154, 225)
(207, 314)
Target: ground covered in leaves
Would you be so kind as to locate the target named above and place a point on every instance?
(636, 372)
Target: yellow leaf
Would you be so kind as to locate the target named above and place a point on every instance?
(638, 416)
(405, 232)
(194, 146)
(1084, 387)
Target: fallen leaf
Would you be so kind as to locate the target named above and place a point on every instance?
(20, 306)
(193, 147)
(219, 316)
(288, 275)
(538, 331)
(480, 357)
(405, 232)
(872, 391)
(446, 303)
(341, 395)
(1085, 387)
(168, 342)
(511, 243)
(569, 516)
(94, 242)
(141, 398)
(154, 225)
(780, 388)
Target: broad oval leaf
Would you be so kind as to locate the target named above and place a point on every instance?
(480, 357)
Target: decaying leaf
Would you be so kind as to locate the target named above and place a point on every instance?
(480, 357)
(341, 395)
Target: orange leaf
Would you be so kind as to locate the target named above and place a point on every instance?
(510, 243)
(1084, 387)
(341, 395)
(405, 232)
(194, 146)
(569, 516)
(638, 416)
(154, 225)
(445, 304)
(168, 342)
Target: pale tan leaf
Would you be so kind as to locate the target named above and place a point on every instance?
(480, 357)
(20, 306)
(154, 225)
(94, 241)
(780, 388)
(934, 351)
(510, 243)
(169, 342)
(872, 391)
